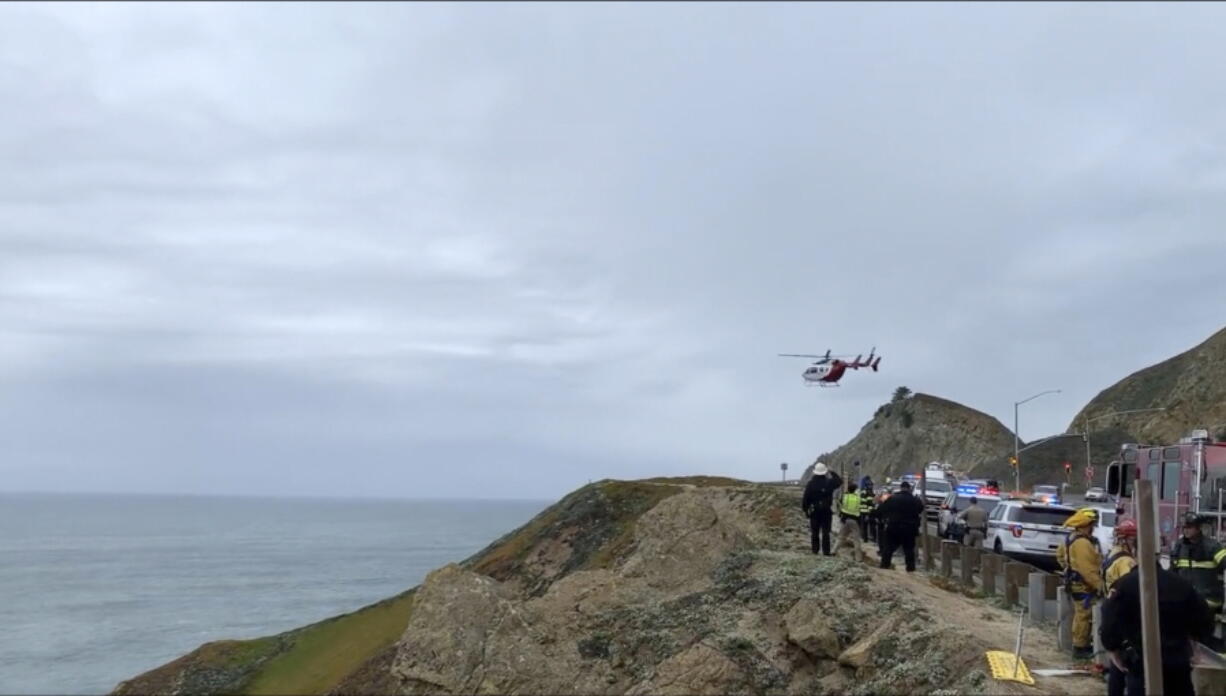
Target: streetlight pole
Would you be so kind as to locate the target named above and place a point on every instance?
(1017, 463)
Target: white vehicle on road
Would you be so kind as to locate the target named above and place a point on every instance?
(1027, 531)
(1096, 495)
(1104, 531)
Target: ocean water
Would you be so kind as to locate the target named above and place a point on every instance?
(98, 588)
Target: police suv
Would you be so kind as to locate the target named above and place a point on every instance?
(1027, 531)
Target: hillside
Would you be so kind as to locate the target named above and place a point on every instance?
(1191, 387)
(906, 434)
(663, 586)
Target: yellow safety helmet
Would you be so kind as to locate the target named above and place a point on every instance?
(1082, 518)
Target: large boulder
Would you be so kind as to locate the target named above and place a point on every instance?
(859, 655)
(700, 669)
(681, 540)
(456, 614)
(807, 628)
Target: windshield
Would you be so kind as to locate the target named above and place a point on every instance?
(1049, 490)
(1040, 515)
(936, 485)
(1106, 518)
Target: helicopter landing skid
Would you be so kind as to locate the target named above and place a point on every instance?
(823, 385)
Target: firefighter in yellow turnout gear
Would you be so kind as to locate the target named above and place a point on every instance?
(849, 518)
(1081, 562)
(1119, 563)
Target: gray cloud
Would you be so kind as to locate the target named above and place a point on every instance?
(431, 249)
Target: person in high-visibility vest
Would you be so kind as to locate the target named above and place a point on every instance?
(849, 518)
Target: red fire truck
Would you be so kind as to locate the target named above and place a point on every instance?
(1188, 477)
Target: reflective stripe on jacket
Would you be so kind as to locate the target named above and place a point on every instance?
(867, 501)
(1201, 563)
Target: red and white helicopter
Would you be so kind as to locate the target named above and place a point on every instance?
(828, 370)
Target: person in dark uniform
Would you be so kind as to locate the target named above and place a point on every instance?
(901, 514)
(818, 497)
(1201, 560)
(1184, 617)
(868, 510)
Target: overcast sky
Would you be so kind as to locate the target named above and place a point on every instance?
(502, 250)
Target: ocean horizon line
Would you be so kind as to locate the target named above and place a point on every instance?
(262, 496)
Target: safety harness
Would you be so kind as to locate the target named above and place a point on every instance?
(1071, 576)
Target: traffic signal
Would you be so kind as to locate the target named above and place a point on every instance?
(1013, 461)
(1067, 467)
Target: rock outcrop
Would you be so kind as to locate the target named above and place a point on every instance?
(682, 586)
(716, 595)
(906, 434)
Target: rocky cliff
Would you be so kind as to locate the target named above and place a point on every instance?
(907, 433)
(677, 586)
(1191, 387)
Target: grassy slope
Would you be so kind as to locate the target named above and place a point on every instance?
(306, 660)
(327, 652)
(350, 653)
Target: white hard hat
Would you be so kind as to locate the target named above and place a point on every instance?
(819, 469)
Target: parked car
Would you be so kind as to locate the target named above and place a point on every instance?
(1096, 495)
(1046, 494)
(1027, 531)
(948, 526)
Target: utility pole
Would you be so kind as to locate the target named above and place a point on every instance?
(1017, 463)
(1147, 565)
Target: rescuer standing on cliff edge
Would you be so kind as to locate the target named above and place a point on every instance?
(819, 496)
(902, 514)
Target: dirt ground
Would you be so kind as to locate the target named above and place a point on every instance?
(991, 628)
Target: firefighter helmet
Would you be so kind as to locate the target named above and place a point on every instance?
(1082, 518)
(1191, 519)
(1126, 529)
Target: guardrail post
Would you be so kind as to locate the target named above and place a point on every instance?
(1034, 597)
(989, 569)
(1015, 579)
(969, 564)
(1064, 617)
(1050, 584)
(948, 548)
